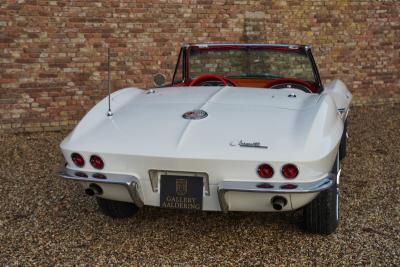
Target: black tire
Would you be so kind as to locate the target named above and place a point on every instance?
(116, 209)
(321, 216)
(343, 143)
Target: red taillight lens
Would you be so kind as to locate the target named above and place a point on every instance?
(99, 176)
(289, 186)
(265, 171)
(81, 174)
(96, 162)
(290, 171)
(265, 186)
(78, 160)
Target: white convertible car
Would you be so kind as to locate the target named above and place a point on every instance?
(241, 127)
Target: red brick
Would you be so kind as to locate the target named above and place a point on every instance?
(53, 58)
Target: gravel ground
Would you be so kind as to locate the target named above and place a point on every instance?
(46, 221)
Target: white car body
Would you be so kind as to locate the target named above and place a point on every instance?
(147, 136)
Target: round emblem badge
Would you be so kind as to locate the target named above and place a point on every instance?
(196, 114)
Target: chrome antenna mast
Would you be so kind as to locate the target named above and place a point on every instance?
(109, 112)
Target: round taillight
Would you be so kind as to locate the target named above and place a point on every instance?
(290, 171)
(265, 171)
(78, 160)
(96, 162)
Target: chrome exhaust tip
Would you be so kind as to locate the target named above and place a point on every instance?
(93, 190)
(89, 192)
(278, 202)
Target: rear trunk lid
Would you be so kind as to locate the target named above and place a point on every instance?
(152, 124)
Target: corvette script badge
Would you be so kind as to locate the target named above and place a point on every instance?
(196, 114)
(247, 144)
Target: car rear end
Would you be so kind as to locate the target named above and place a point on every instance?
(227, 185)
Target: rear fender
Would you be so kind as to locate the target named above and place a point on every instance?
(98, 114)
(341, 96)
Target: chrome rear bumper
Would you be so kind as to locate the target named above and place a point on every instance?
(272, 187)
(131, 183)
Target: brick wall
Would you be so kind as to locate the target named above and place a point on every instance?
(53, 53)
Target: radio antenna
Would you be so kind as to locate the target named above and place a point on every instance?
(109, 112)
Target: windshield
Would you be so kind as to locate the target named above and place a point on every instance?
(248, 63)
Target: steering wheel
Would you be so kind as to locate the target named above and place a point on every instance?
(211, 80)
(293, 83)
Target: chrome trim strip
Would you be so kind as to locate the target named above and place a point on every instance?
(131, 183)
(240, 186)
(292, 46)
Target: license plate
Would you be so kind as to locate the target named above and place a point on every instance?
(181, 192)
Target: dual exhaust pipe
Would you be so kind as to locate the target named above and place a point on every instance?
(93, 190)
(278, 202)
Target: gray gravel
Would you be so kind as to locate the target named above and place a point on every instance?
(45, 220)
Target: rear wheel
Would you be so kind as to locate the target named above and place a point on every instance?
(116, 209)
(321, 216)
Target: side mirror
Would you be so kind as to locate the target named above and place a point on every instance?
(159, 79)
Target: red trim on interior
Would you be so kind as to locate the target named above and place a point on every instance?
(211, 77)
(309, 85)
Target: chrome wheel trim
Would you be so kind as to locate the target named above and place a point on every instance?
(337, 187)
(337, 204)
